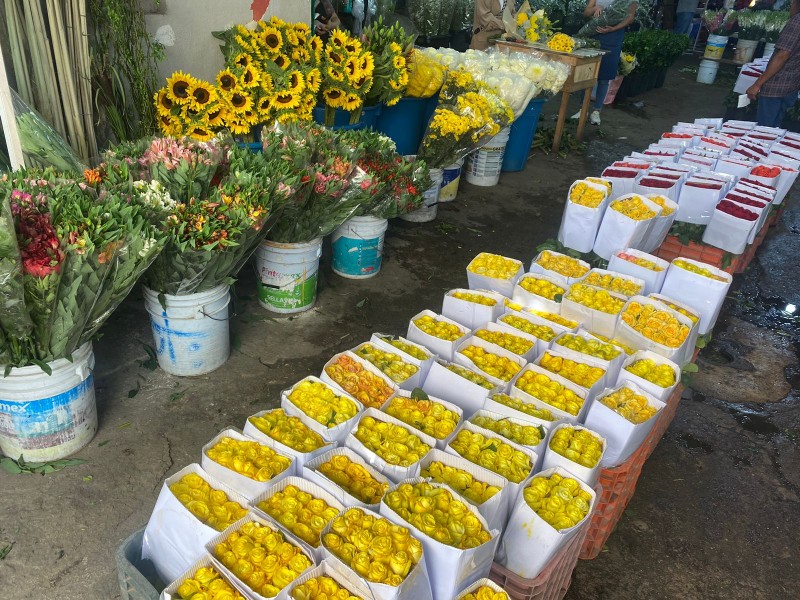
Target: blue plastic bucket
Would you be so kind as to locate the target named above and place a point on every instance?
(430, 107)
(521, 138)
(369, 117)
(358, 247)
(404, 123)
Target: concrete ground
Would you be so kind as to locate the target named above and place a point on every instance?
(715, 513)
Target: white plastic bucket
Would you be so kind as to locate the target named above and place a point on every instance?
(450, 179)
(47, 417)
(484, 165)
(769, 48)
(358, 247)
(191, 334)
(707, 72)
(745, 49)
(431, 202)
(287, 275)
(715, 46)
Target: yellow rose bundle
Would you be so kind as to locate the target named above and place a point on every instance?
(438, 514)
(262, 558)
(409, 349)
(590, 347)
(366, 387)
(578, 373)
(513, 343)
(492, 453)
(551, 392)
(374, 547)
(495, 365)
(561, 264)
(322, 588)
(494, 266)
(484, 592)
(300, 512)
(289, 431)
(439, 328)
(558, 500)
(613, 283)
(630, 405)
(393, 443)
(319, 401)
(354, 479)
(557, 319)
(390, 364)
(475, 298)
(251, 459)
(206, 584)
(659, 326)
(663, 375)
(586, 195)
(525, 435)
(460, 481)
(471, 376)
(634, 208)
(595, 298)
(428, 416)
(523, 407)
(210, 506)
(578, 445)
(541, 287)
(693, 268)
(543, 332)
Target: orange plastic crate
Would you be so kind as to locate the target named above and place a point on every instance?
(672, 248)
(553, 582)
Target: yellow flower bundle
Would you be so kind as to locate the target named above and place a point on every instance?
(523, 407)
(289, 431)
(543, 332)
(526, 435)
(595, 298)
(492, 453)
(460, 481)
(393, 443)
(562, 264)
(210, 506)
(354, 479)
(251, 459)
(484, 593)
(613, 283)
(390, 364)
(428, 416)
(347, 74)
(500, 367)
(659, 326)
(662, 375)
(551, 392)
(494, 266)
(319, 401)
(578, 373)
(390, 47)
(207, 583)
(300, 512)
(591, 347)
(322, 588)
(369, 389)
(581, 446)
(558, 500)
(561, 42)
(630, 405)
(513, 343)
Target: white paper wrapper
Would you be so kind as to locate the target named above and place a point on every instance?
(300, 458)
(465, 361)
(494, 406)
(556, 328)
(254, 518)
(454, 569)
(611, 367)
(579, 224)
(440, 442)
(502, 286)
(618, 275)
(653, 280)
(534, 301)
(407, 384)
(247, 487)
(471, 314)
(364, 363)
(789, 174)
(588, 475)
(438, 346)
(530, 355)
(649, 387)
(643, 189)
(620, 185)
(357, 586)
(393, 472)
(304, 486)
(174, 537)
(529, 421)
(595, 321)
(206, 562)
(381, 340)
(734, 166)
(415, 585)
(516, 392)
(538, 269)
(703, 294)
(444, 383)
(623, 438)
(495, 509)
(312, 473)
(529, 543)
(728, 232)
(630, 337)
(696, 205)
(660, 226)
(619, 231)
(691, 341)
(330, 434)
(762, 212)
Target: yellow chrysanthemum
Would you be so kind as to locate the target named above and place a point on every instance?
(395, 47)
(334, 97)
(399, 62)
(178, 87)
(227, 81)
(163, 103)
(285, 100)
(201, 94)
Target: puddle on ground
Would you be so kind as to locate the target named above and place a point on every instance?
(753, 420)
(692, 443)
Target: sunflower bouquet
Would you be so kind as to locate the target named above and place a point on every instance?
(347, 76)
(390, 47)
(68, 256)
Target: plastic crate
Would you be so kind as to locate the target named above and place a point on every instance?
(672, 248)
(137, 577)
(553, 582)
(667, 415)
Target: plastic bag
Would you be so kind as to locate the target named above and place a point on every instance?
(14, 317)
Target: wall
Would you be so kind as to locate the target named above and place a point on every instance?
(185, 26)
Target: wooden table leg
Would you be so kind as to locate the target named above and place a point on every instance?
(562, 116)
(587, 96)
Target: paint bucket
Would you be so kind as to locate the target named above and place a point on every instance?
(191, 332)
(451, 177)
(47, 417)
(484, 164)
(287, 275)
(429, 205)
(707, 72)
(358, 247)
(715, 46)
(404, 123)
(745, 49)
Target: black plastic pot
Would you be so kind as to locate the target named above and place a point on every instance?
(661, 77)
(635, 84)
(434, 41)
(460, 40)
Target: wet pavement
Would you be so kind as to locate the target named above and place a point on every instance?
(716, 510)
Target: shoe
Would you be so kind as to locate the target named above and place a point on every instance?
(576, 116)
(594, 118)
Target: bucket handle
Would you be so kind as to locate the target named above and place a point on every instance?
(231, 300)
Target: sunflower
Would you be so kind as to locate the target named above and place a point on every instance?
(242, 60)
(163, 103)
(301, 55)
(285, 100)
(227, 81)
(334, 97)
(338, 38)
(267, 84)
(283, 61)
(393, 101)
(286, 117)
(315, 43)
(399, 62)
(353, 46)
(240, 103)
(292, 38)
(313, 80)
(250, 77)
(216, 116)
(238, 126)
(245, 42)
(360, 82)
(302, 29)
(165, 123)
(351, 68)
(335, 74)
(252, 117)
(272, 38)
(201, 94)
(264, 105)
(352, 102)
(178, 87)
(296, 82)
(200, 133)
(367, 63)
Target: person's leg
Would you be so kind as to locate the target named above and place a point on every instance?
(769, 110)
(600, 98)
(787, 102)
(683, 22)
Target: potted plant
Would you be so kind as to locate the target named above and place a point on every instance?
(774, 23)
(751, 30)
(719, 24)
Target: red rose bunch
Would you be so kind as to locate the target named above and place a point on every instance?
(619, 173)
(733, 209)
(745, 200)
(765, 171)
(656, 183)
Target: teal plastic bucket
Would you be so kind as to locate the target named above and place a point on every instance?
(369, 117)
(358, 247)
(405, 123)
(522, 132)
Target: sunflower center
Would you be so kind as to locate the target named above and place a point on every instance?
(336, 57)
(201, 95)
(238, 100)
(248, 76)
(334, 94)
(227, 82)
(281, 61)
(213, 114)
(181, 89)
(199, 131)
(272, 40)
(284, 98)
(165, 101)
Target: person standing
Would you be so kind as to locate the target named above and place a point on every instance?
(776, 90)
(684, 16)
(621, 14)
(488, 21)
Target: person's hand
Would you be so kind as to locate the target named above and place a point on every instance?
(598, 11)
(753, 90)
(606, 29)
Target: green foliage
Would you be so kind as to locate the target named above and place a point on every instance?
(16, 467)
(568, 14)
(655, 49)
(687, 232)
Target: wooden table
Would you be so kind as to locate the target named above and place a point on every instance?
(584, 66)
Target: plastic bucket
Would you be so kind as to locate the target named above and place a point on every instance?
(745, 49)
(369, 118)
(47, 417)
(769, 48)
(287, 275)
(707, 72)
(431, 202)
(358, 247)
(192, 333)
(521, 137)
(451, 177)
(715, 46)
(484, 165)
(404, 123)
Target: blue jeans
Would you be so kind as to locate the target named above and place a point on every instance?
(771, 110)
(683, 22)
